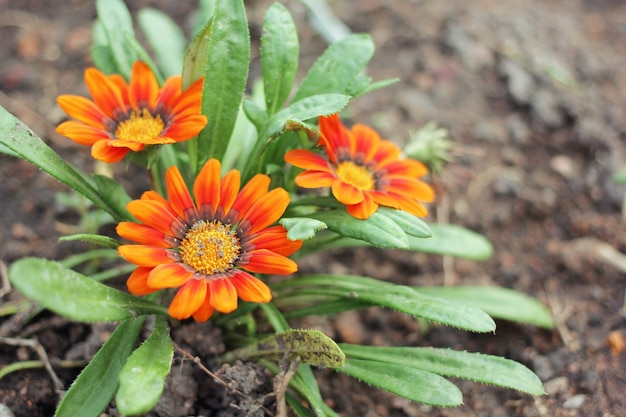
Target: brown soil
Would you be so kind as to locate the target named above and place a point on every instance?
(533, 94)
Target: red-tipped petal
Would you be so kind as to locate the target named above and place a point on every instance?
(250, 288)
(223, 295)
(170, 91)
(157, 215)
(105, 93)
(169, 276)
(264, 261)
(250, 193)
(346, 193)
(229, 189)
(102, 151)
(137, 282)
(315, 179)
(144, 87)
(83, 109)
(307, 160)
(145, 255)
(206, 188)
(186, 128)
(364, 209)
(142, 234)
(188, 299)
(267, 209)
(366, 141)
(411, 188)
(275, 239)
(82, 133)
(178, 194)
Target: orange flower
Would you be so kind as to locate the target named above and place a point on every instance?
(208, 248)
(126, 117)
(363, 170)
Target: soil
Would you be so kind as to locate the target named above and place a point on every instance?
(534, 96)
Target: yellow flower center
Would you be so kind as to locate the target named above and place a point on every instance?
(210, 247)
(356, 175)
(142, 126)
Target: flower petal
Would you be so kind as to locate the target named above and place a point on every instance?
(145, 255)
(144, 87)
(249, 194)
(178, 195)
(315, 179)
(411, 188)
(169, 93)
(366, 141)
(275, 239)
(267, 209)
(106, 93)
(186, 128)
(304, 159)
(229, 189)
(82, 133)
(334, 136)
(223, 295)
(103, 151)
(137, 282)
(264, 261)
(190, 100)
(206, 188)
(205, 311)
(405, 167)
(364, 209)
(250, 288)
(143, 234)
(83, 109)
(346, 193)
(188, 299)
(159, 216)
(169, 276)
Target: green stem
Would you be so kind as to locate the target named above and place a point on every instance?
(22, 365)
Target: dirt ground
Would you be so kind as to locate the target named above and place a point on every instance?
(534, 96)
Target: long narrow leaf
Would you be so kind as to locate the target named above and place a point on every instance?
(117, 24)
(95, 386)
(74, 295)
(450, 239)
(166, 39)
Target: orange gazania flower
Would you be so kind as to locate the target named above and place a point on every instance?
(363, 170)
(209, 247)
(126, 117)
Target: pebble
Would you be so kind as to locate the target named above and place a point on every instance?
(5, 411)
(575, 401)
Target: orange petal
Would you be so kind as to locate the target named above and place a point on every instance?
(264, 261)
(138, 281)
(388, 152)
(190, 100)
(83, 109)
(142, 234)
(315, 179)
(105, 93)
(406, 167)
(188, 299)
(82, 133)
(145, 255)
(157, 215)
(334, 135)
(250, 193)
(186, 128)
(275, 239)
(178, 195)
(307, 160)
(144, 87)
(250, 288)
(366, 141)
(229, 189)
(223, 295)
(364, 209)
(102, 151)
(169, 276)
(410, 188)
(205, 311)
(206, 188)
(129, 144)
(411, 206)
(267, 209)
(169, 92)
(346, 193)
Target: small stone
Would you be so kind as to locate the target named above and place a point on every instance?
(5, 411)
(575, 401)
(563, 165)
(556, 385)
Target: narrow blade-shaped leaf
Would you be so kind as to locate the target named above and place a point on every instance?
(220, 53)
(487, 369)
(73, 295)
(143, 376)
(450, 239)
(117, 24)
(413, 384)
(412, 225)
(279, 56)
(98, 240)
(95, 386)
(337, 68)
(166, 39)
(501, 303)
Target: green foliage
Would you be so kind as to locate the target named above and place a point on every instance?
(98, 240)
(450, 239)
(73, 295)
(94, 388)
(115, 23)
(166, 39)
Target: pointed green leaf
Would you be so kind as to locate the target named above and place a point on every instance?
(297, 113)
(501, 303)
(302, 228)
(166, 39)
(17, 137)
(279, 56)
(220, 53)
(117, 24)
(255, 114)
(412, 225)
(143, 376)
(338, 67)
(98, 240)
(73, 295)
(449, 239)
(361, 88)
(114, 195)
(101, 53)
(405, 381)
(378, 230)
(94, 388)
(487, 369)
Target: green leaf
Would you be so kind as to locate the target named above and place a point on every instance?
(337, 68)
(166, 39)
(98, 240)
(487, 369)
(405, 381)
(382, 293)
(297, 113)
(311, 346)
(117, 24)
(143, 376)
(501, 303)
(114, 195)
(412, 225)
(17, 137)
(94, 388)
(101, 53)
(620, 177)
(220, 53)
(255, 114)
(379, 230)
(279, 56)
(73, 295)
(363, 85)
(453, 240)
(297, 407)
(302, 228)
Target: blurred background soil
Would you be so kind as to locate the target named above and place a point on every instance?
(534, 96)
